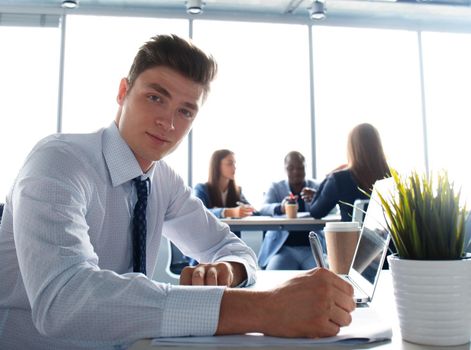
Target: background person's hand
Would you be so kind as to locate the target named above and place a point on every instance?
(308, 193)
(288, 199)
(240, 211)
(221, 273)
(245, 210)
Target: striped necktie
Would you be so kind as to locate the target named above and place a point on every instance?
(139, 227)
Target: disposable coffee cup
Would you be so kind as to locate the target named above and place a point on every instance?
(341, 240)
(291, 210)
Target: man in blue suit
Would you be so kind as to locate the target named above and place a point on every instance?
(283, 250)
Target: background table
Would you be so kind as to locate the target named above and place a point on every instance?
(265, 223)
(252, 228)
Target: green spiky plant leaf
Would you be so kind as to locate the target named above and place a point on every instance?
(425, 218)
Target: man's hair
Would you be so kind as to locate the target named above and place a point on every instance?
(294, 154)
(177, 54)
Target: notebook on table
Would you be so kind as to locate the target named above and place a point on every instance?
(372, 246)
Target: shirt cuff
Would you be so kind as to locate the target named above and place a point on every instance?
(249, 269)
(242, 284)
(278, 210)
(218, 212)
(191, 311)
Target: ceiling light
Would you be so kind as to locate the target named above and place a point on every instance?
(70, 4)
(317, 11)
(194, 7)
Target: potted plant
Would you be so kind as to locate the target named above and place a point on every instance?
(431, 271)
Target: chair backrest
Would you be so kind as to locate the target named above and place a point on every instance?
(359, 210)
(467, 235)
(177, 261)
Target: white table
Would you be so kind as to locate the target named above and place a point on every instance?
(383, 303)
(278, 223)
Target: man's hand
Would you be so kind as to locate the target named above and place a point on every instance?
(313, 304)
(308, 193)
(316, 304)
(287, 199)
(223, 273)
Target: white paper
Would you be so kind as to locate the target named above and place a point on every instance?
(366, 327)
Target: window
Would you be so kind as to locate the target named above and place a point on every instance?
(29, 70)
(99, 52)
(447, 78)
(259, 104)
(367, 75)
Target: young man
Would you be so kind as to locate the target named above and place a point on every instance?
(68, 249)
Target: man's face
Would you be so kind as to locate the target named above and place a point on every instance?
(157, 112)
(295, 170)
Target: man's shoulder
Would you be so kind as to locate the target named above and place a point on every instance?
(279, 184)
(70, 141)
(65, 150)
(163, 173)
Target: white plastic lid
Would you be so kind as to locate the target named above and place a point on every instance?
(342, 226)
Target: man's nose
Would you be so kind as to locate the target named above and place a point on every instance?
(165, 120)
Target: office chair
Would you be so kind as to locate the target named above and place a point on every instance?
(176, 260)
(359, 210)
(467, 235)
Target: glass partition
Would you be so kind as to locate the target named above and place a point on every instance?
(29, 71)
(447, 58)
(259, 106)
(367, 75)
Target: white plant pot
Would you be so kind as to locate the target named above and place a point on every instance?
(433, 299)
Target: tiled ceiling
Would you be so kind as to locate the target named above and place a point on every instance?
(270, 10)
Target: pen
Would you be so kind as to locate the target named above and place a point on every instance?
(240, 204)
(316, 249)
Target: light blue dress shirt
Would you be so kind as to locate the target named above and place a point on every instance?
(66, 277)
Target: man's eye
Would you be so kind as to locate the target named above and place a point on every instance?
(186, 113)
(154, 98)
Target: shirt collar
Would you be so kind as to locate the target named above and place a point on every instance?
(120, 160)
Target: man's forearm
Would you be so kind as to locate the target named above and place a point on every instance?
(313, 304)
(238, 314)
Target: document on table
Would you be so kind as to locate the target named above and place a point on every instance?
(366, 327)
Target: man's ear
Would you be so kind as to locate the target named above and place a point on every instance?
(122, 91)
